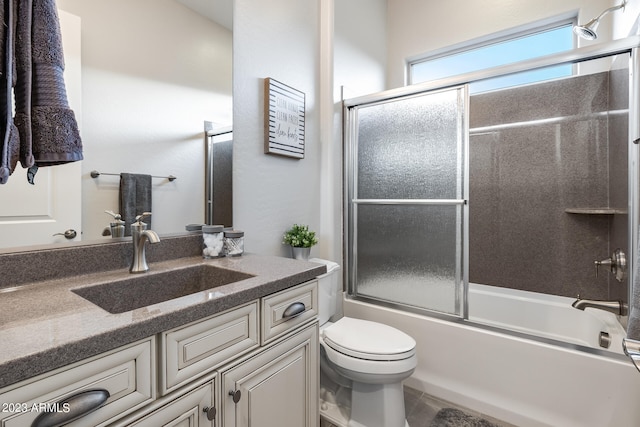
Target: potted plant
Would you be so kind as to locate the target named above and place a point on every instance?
(300, 239)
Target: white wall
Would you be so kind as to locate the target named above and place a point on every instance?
(278, 39)
(152, 72)
(626, 23)
(360, 47)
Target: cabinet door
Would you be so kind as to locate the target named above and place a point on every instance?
(191, 410)
(276, 387)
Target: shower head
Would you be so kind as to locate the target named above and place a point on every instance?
(588, 30)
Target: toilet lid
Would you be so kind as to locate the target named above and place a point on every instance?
(368, 340)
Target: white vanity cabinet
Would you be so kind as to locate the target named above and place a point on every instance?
(275, 384)
(258, 361)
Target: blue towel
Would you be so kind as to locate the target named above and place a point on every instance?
(135, 198)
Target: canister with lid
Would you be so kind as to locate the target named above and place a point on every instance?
(213, 241)
(234, 242)
(194, 228)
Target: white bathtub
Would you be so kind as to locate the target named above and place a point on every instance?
(523, 381)
(547, 316)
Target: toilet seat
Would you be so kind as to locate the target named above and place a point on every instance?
(368, 340)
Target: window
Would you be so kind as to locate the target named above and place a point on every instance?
(496, 52)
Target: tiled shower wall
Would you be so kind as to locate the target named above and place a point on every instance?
(536, 151)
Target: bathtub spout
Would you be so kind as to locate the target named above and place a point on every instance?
(615, 307)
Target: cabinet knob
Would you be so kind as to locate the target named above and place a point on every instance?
(236, 395)
(211, 413)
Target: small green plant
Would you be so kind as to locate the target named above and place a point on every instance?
(299, 236)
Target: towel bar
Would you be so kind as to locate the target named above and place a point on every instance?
(95, 174)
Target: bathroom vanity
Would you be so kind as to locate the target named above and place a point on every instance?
(244, 350)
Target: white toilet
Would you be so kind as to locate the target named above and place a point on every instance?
(362, 364)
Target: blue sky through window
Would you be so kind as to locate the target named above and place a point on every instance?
(530, 46)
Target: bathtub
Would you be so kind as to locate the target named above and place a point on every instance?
(517, 378)
(546, 316)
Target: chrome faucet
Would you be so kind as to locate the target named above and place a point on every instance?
(140, 234)
(616, 307)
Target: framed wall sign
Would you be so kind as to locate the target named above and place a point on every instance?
(284, 121)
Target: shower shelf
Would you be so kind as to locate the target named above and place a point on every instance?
(596, 211)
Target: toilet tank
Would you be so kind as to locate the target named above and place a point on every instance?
(329, 290)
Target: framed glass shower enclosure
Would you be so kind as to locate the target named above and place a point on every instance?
(407, 200)
(407, 174)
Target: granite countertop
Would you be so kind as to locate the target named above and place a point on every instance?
(44, 325)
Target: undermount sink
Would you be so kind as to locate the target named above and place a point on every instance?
(139, 291)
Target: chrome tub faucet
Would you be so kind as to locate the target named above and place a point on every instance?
(140, 235)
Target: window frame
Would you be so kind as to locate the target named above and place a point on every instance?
(488, 40)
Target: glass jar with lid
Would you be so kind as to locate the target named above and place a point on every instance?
(234, 242)
(213, 241)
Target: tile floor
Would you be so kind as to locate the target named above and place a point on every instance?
(421, 409)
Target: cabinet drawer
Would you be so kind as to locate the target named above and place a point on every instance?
(128, 374)
(195, 349)
(283, 311)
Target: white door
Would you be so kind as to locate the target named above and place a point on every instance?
(32, 214)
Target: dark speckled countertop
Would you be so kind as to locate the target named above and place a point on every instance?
(44, 325)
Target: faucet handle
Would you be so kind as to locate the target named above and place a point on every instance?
(113, 214)
(617, 264)
(140, 217)
(608, 262)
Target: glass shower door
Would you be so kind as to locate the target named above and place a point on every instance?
(406, 200)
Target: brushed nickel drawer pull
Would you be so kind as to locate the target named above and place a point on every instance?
(78, 406)
(295, 309)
